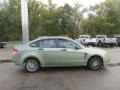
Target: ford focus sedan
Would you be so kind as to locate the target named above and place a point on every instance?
(58, 51)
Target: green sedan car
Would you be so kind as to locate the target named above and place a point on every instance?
(58, 51)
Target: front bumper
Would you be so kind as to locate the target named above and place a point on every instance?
(106, 59)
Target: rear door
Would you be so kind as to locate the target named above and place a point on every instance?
(48, 51)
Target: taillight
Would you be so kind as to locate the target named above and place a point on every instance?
(15, 50)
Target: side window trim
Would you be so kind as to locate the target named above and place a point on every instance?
(44, 43)
(65, 40)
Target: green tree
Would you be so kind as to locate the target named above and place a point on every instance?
(106, 19)
(10, 24)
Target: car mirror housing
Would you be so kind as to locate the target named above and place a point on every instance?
(77, 48)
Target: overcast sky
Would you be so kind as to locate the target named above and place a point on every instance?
(85, 3)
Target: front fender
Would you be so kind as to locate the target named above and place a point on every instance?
(88, 56)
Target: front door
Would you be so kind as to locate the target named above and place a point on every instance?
(68, 54)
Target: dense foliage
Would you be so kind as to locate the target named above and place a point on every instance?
(44, 20)
(104, 20)
(47, 20)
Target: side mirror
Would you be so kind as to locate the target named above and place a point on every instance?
(77, 48)
(32, 45)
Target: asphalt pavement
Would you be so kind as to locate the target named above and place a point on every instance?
(114, 53)
(13, 77)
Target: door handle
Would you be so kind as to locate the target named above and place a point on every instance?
(40, 49)
(63, 50)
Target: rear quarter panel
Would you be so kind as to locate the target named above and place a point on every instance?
(21, 56)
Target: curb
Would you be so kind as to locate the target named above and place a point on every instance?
(114, 64)
(10, 61)
(6, 61)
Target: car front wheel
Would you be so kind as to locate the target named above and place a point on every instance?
(95, 63)
(32, 65)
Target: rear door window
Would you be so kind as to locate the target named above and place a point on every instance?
(45, 43)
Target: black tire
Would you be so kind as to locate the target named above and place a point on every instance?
(111, 45)
(93, 45)
(3, 46)
(32, 65)
(119, 45)
(100, 44)
(95, 63)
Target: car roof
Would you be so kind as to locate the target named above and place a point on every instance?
(50, 37)
(45, 37)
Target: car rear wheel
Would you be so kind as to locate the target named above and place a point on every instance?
(95, 63)
(32, 65)
(119, 45)
(100, 44)
(111, 45)
(93, 45)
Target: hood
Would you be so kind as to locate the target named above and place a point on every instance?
(93, 50)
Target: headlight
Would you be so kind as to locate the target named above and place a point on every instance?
(106, 54)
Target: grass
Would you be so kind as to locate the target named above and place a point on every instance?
(10, 45)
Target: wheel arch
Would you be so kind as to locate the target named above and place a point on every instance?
(95, 56)
(26, 58)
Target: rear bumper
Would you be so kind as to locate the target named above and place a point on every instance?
(17, 63)
(111, 43)
(17, 60)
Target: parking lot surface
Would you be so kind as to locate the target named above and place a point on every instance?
(114, 53)
(5, 53)
(13, 77)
